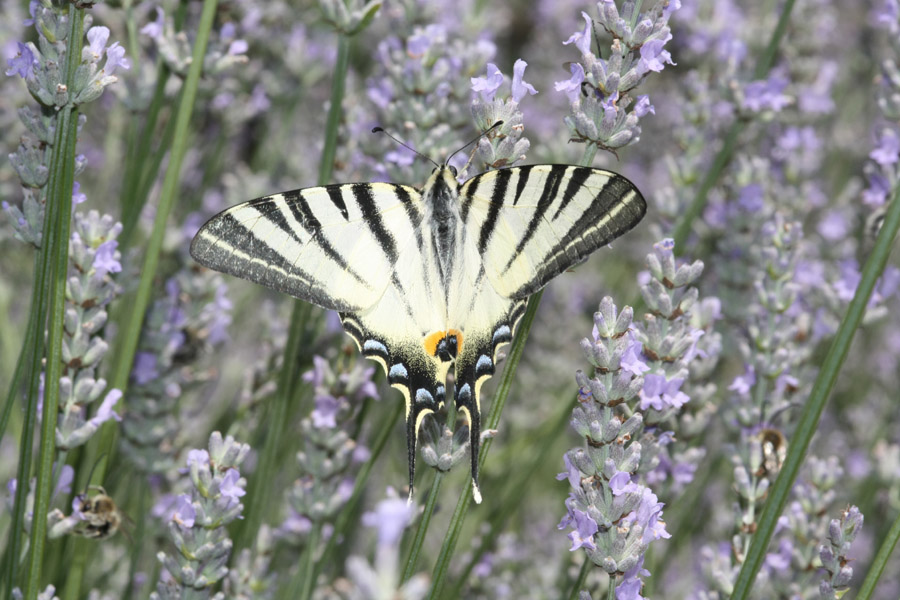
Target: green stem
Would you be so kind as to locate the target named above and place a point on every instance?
(695, 208)
(813, 407)
(277, 417)
(304, 582)
(131, 328)
(880, 561)
(326, 166)
(59, 205)
(578, 584)
(419, 539)
(442, 568)
(27, 350)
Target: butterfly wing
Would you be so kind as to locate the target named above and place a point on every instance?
(525, 226)
(534, 222)
(333, 246)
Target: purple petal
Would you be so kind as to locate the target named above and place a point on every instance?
(582, 39)
(519, 87)
(488, 86)
(572, 86)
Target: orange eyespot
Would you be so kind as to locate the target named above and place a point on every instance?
(432, 340)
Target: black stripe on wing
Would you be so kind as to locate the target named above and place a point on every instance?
(548, 195)
(615, 210)
(362, 192)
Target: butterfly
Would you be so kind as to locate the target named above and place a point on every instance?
(426, 279)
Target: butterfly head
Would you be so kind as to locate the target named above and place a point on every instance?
(443, 180)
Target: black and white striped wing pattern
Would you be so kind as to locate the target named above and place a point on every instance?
(426, 280)
(534, 222)
(333, 246)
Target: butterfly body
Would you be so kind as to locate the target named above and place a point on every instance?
(426, 280)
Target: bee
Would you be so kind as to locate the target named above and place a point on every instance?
(102, 518)
(774, 448)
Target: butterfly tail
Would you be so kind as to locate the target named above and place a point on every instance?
(424, 395)
(467, 402)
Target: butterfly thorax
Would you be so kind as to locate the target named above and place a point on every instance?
(442, 214)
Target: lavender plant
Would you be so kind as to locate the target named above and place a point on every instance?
(772, 158)
(198, 522)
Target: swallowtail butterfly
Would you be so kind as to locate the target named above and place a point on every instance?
(425, 279)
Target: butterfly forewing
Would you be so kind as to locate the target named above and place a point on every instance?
(543, 219)
(334, 246)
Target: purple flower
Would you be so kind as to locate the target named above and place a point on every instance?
(323, 416)
(781, 560)
(519, 86)
(33, 5)
(648, 516)
(115, 58)
(23, 63)
(105, 258)
(620, 483)
(488, 86)
(184, 514)
(582, 39)
(643, 106)
(877, 192)
(585, 528)
(418, 44)
(571, 473)
(653, 57)
(154, 29)
(230, 486)
(391, 516)
(659, 394)
(743, 383)
(572, 86)
(106, 412)
(845, 287)
(888, 16)
(631, 361)
(199, 457)
(751, 198)
(887, 152)
(630, 588)
(237, 47)
(97, 37)
(77, 196)
(64, 483)
(144, 370)
(834, 226)
(766, 94)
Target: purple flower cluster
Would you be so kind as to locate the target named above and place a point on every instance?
(505, 145)
(422, 79)
(328, 453)
(640, 370)
(605, 111)
(93, 258)
(197, 522)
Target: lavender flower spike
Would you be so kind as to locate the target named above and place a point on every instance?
(639, 372)
(605, 108)
(505, 145)
(198, 523)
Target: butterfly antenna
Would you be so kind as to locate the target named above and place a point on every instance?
(478, 137)
(410, 148)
